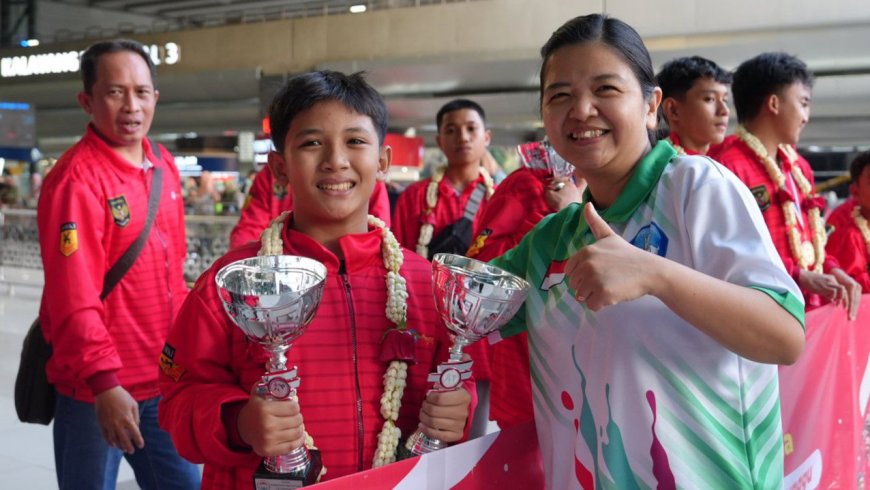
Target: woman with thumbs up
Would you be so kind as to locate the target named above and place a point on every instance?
(661, 308)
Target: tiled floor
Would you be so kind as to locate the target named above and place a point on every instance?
(26, 452)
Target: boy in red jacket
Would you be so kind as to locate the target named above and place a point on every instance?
(850, 241)
(441, 213)
(772, 94)
(328, 130)
(694, 103)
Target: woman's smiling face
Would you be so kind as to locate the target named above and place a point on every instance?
(594, 110)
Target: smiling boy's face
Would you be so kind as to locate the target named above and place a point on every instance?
(332, 159)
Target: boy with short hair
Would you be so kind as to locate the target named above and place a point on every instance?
(772, 94)
(429, 215)
(328, 130)
(694, 103)
(850, 241)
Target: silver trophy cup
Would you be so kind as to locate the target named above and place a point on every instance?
(473, 300)
(272, 299)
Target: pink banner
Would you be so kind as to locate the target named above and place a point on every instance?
(505, 459)
(824, 408)
(824, 402)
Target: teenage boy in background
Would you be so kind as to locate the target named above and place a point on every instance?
(850, 241)
(694, 103)
(772, 94)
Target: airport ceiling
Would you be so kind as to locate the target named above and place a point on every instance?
(196, 13)
(217, 103)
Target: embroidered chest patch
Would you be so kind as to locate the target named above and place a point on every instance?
(279, 191)
(120, 210)
(652, 239)
(168, 365)
(478, 243)
(762, 197)
(69, 239)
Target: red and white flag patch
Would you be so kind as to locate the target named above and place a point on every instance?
(555, 274)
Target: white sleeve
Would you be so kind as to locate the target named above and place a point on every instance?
(727, 235)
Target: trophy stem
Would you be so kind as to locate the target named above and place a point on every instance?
(278, 357)
(456, 349)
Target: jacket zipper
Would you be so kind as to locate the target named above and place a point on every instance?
(342, 272)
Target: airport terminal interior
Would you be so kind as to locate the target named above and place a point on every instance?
(219, 63)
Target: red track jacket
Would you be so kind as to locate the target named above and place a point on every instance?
(740, 159)
(212, 365)
(93, 205)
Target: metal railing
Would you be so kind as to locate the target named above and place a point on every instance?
(207, 239)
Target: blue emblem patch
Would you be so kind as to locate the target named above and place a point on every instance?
(652, 239)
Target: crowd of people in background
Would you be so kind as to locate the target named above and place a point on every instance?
(718, 240)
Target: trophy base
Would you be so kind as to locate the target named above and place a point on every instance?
(419, 443)
(267, 480)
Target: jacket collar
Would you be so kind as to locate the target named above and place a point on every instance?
(360, 250)
(119, 164)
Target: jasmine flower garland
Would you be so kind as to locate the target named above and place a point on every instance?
(809, 256)
(396, 311)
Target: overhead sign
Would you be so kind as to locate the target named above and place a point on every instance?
(17, 127)
(68, 61)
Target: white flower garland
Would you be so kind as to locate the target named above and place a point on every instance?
(426, 229)
(397, 372)
(809, 256)
(397, 312)
(861, 223)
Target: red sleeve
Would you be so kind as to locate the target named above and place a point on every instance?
(847, 245)
(72, 313)
(516, 207)
(379, 204)
(406, 218)
(197, 381)
(257, 211)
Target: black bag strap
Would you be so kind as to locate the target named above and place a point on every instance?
(114, 275)
(474, 202)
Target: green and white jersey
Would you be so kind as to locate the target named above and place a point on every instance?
(633, 396)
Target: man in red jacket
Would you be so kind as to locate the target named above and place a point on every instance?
(93, 206)
(267, 199)
(365, 357)
(772, 95)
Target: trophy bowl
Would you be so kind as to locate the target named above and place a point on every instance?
(473, 299)
(272, 299)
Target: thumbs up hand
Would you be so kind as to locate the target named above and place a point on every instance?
(609, 271)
